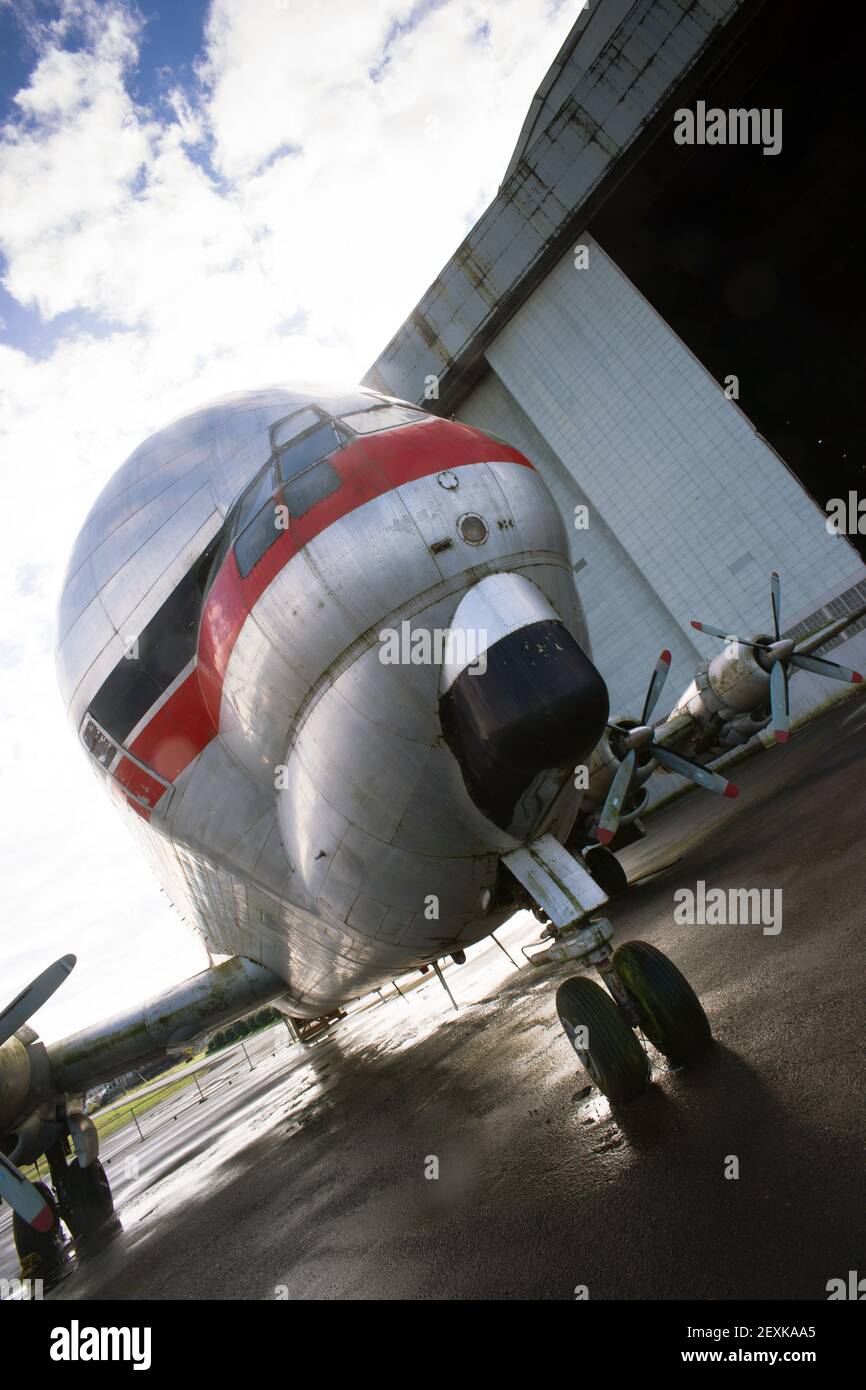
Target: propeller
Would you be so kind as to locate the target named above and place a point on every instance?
(633, 742)
(33, 996)
(16, 1189)
(24, 1197)
(780, 655)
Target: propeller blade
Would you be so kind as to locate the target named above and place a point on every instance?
(619, 788)
(779, 709)
(31, 998)
(23, 1197)
(714, 631)
(654, 689)
(776, 597)
(725, 636)
(830, 669)
(710, 781)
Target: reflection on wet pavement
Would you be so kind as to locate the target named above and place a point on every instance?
(308, 1172)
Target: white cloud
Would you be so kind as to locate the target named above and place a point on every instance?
(196, 234)
(70, 159)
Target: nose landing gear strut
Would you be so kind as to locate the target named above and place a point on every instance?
(644, 990)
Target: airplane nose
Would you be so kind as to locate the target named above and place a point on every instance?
(521, 704)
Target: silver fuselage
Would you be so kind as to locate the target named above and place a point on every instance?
(293, 790)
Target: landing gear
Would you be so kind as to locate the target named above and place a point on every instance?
(648, 992)
(85, 1204)
(602, 1038)
(644, 989)
(606, 869)
(89, 1203)
(38, 1250)
(83, 1196)
(669, 1011)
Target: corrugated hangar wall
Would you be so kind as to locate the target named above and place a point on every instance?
(602, 564)
(689, 508)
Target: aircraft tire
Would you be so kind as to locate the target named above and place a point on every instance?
(91, 1205)
(613, 1058)
(671, 1014)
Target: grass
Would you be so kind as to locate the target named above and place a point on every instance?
(119, 1118)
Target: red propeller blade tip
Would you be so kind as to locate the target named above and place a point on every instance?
(665, 657)
(44, 1219)
(782, 735)
(732, 789)
(698, 626)
(604, 837)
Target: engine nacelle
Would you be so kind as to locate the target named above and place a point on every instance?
(15, 1075)
(24, 1084)
(733, 683)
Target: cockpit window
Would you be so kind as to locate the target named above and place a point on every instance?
(287, 430)
(301, 466)
(308, 488)
(257, 494)
(297, 475)
(258, 535)
(311, 447)
(383, 417)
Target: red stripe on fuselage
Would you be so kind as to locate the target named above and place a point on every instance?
(176, 734)
(368, 468)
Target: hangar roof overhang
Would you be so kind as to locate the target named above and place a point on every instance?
(608, 96)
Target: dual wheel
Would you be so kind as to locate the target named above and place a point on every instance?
(668, 1010)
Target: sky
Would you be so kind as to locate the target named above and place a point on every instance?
(196, 199)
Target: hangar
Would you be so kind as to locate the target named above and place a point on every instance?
(664, 328)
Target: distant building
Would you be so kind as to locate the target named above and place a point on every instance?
(534, 331)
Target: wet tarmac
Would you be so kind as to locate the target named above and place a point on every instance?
(306, 1176)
